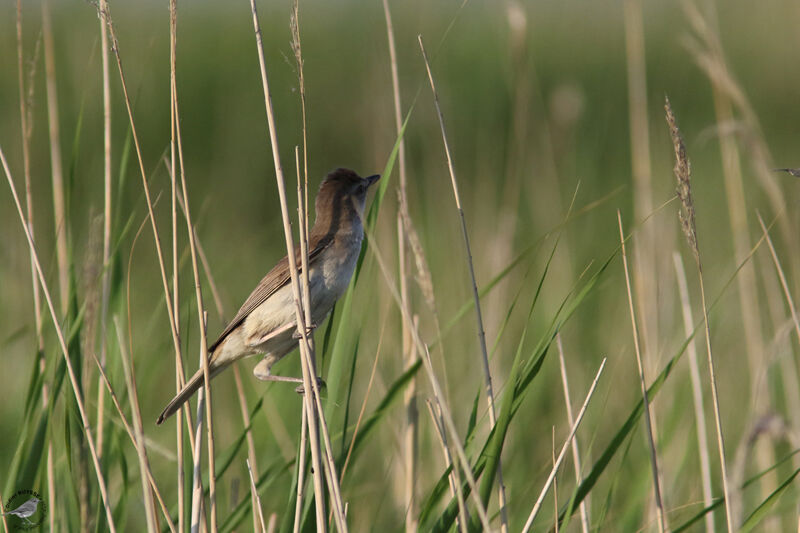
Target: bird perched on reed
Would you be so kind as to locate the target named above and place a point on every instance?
(265, 324)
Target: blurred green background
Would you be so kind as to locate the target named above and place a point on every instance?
(535, 99)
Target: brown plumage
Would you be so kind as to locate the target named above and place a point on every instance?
(265, 324)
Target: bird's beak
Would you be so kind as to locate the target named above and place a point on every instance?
(372, 179)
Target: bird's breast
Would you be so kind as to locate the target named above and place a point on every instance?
(331, 273)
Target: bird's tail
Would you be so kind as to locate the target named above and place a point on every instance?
(188, 390)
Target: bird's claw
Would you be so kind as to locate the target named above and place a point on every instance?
(320, 385)
(309, 330)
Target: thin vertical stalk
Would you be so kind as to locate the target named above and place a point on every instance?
(316, 419)
(136, 444)
(138, 432)
(576, 456)
(254, 492)
(251, 445)
(85, 426)
(411, 429)
(106, 276)
(105, 14)
(301, 471)
(487, 374)
(57, 172)
(197, 484)
(697, 392)
(645, 277)
(25, 124)
(201, 313)
(179, 372)
(563, 452)
(454, 479)
(662, 526)
(434, 382)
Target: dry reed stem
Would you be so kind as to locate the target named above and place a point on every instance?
(251, 445)
(311, 396)
(180, 377)
(26, 119)
(791, 369)
(129, 430)
(784, 284)
(576, 456)
(256, 497)
(555, 480)
(682, 172)
(64, 351)
(212, 482)
(697, 391)
(197, 486)
(481, 334)
(301, 471)
(106, 275)
(411, 429)
(662, 526)
(138, 431)
(437, 389)
(563, 451)
(106, 16)
(57, 172)
(645, 257)
(302, 205)
(454, 479)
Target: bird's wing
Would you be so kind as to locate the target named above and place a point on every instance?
(274, 280)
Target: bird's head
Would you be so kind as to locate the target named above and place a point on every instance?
(342, 190)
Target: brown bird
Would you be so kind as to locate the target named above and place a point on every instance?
(265, 324)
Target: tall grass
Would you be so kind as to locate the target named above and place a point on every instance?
(476, 273)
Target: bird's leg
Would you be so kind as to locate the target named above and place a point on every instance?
(262, 371)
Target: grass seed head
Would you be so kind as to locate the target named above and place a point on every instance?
(683, 171)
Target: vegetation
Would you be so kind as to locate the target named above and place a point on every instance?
(545, 154)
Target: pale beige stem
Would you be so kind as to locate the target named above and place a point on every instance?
(311, 387)
(115, 400)
(662, 526)
(645, 276)
(410, 431)
(26, 128)
(138, 431)
(697, 392)
(454, 479)
(57, 172)
(576, 456)
(563, 452)
(106, 276)
(106, 16)
(487, 374)
(301, 471)
(437, 389)
(254, 492)
(180, 377)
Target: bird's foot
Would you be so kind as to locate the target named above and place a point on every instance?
(309, 330)
(320, 385)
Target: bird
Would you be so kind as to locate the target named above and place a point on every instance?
(793, 171)
(265, 324)
(25, 510)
